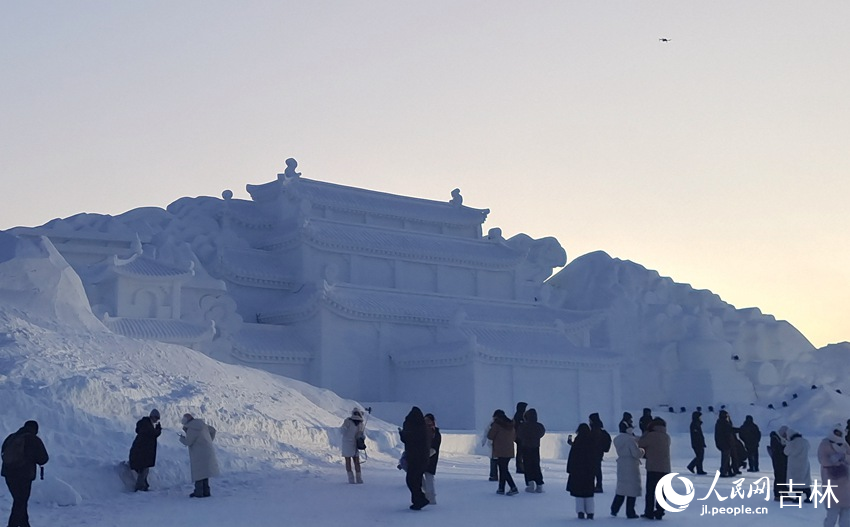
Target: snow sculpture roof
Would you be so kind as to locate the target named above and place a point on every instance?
(351, 199)
(391, 304)
(259, 343)
(254, 268)
(147, 268)
(394, 243)
(165, 330)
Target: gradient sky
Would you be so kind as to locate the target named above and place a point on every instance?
(720, 158)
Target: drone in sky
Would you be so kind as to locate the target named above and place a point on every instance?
(665, 39)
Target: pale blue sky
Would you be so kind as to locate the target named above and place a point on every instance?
(719, 159)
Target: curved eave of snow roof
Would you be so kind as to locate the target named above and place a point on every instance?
(256, 343)
(352, 199)
(281, 241)
(429, 309)
(148, 269)
(297, 307)
(68, 234)
(246, 214)
(410, 245)
(164, 330)
(254, 268)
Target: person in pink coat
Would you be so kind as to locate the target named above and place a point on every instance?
(834, 457)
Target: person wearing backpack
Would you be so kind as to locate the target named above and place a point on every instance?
(602, 442)
(21, 452)
(353, 428)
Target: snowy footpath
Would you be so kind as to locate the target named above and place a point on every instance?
(321, 496)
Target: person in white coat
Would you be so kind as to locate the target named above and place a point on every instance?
(202, 460)
(628, 471)
(799, 470)
(353, 428)
(834, 458)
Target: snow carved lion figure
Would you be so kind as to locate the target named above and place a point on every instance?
(543, 256)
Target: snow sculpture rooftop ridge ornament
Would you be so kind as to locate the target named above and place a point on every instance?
(291, 165)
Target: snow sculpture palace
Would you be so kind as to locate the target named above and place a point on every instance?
(381, 298)
(369, 294)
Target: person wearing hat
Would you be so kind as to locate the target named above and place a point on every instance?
(21, 452)
(799, 471)
(203, 463)
(629, 455)
(352, 429)
(834, 458)
(143, 450)
(697, 443)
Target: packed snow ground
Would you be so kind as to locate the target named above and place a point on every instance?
(321, 496)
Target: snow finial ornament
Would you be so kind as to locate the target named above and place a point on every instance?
(136, 246)
(457, 199)
(291, 165)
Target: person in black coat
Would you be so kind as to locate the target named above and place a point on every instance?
(602, 442)
(751, 436)
(528, 435)
(20, 473)
(431, 467)
(581, 466)
(143, 450)
(414, 435)
(724, 441)
(644, 420)
(847, 433)
(697, 443)
(519, 416)
(776, 451)
(626, 420)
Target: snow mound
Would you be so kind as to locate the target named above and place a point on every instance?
(683, 346)
(88, 387)
(36, 279)
(88, 390)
